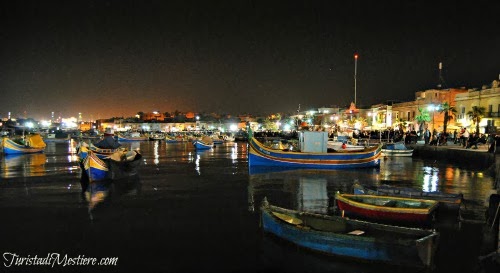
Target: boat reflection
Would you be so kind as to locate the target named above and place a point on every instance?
(99, 193)
(23, 165)
(299, 189)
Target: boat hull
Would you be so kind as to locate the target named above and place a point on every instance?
(446, 201)
(259, 155)
(10, 147)
(376, 243)
(396, 149)
(408, 212)
(199, 145)
(95, 168)
(386, 152)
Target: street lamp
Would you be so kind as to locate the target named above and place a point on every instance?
(433, 108)
(355, 72)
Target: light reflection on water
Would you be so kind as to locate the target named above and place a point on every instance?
(61, 158)
(181, 190)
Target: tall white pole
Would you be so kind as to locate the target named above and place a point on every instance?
(355, 73)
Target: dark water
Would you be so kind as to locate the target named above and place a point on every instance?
(191, 211)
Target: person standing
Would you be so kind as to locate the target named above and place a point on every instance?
(465, 137)
(427, 135)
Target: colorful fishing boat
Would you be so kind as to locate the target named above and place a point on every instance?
(28, 145)
(157, 136)
(94, 167)
(388, 209)
(201, 145)
(335, 235)
(120, 164)
(174, 139)
(205, 143)
(396, 149)
(312, 153)
(449, 201)
(104, 148)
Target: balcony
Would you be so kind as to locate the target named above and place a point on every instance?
(492, 114)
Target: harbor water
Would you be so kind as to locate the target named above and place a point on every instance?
(191, 211)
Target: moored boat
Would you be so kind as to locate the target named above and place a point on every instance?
(94, 167)
(157, 136)
(174, 139)
(203, 144)
(312, 153)
(58, 137)
(388, 209)
(396, 149)
(120, 164)
(29, 144)
(449, 201)
(123, 164)
(335, 235)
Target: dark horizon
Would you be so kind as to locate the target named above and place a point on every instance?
(117, 58)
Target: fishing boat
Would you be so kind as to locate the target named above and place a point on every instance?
(120, 164)
(449, 201)
(388, 209)
(102, 149)
(157, 136)
(201, 145)
(396, 149)
(205, 143)
(57, 137)
(312, 153)
(28, 144)
(94, 167)
(174, 139)
(339, 236)
(123, 164)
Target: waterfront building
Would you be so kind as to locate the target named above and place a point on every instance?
(487, 97)
(392, 114)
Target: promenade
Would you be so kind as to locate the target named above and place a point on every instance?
(455, 153)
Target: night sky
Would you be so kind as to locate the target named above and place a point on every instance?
(116, 58)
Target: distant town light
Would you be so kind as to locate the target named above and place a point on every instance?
(45, 123)
(233, 127)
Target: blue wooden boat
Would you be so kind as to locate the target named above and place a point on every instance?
(94, 167)
(260, 155)
(116, 166)
(202, 145)
(29, 145)
(335, 235)
(104, 148)
(396, 149)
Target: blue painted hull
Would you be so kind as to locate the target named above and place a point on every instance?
(202, 146)
(95, 168)
(396, 245)
(10, 147)
(259, 155)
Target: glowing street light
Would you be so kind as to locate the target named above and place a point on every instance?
(355, 72)
(433, 108)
